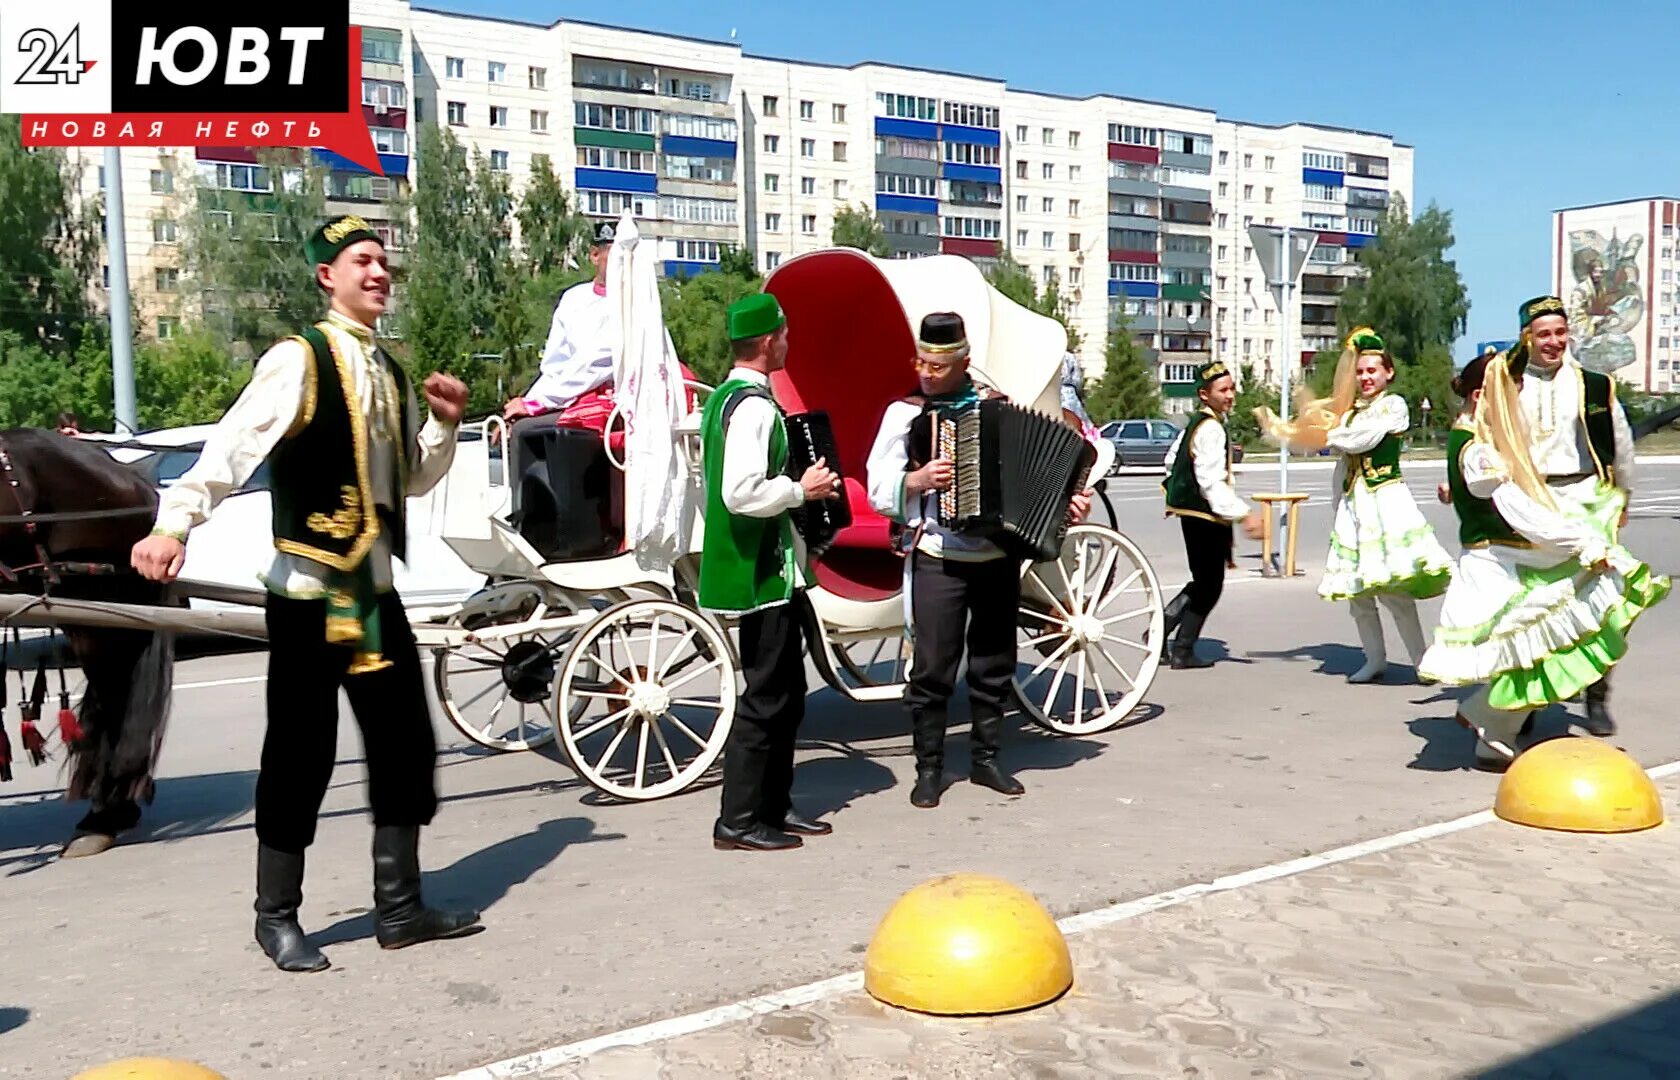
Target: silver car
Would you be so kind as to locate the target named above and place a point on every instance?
(1140, 442)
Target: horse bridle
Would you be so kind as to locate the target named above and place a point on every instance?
(31, 521)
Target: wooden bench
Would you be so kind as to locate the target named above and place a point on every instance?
(1268, 526)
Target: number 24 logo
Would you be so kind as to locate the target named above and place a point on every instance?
(52, 62)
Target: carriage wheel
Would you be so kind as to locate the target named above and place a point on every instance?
(648, 690)
(1090, 632)
(495, 689)
(874, 661)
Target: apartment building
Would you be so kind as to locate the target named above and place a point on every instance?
(1613, 266)
(1136, 209)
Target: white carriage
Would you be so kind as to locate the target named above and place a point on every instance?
(638, 685)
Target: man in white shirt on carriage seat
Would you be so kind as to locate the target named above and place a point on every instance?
(337, 421)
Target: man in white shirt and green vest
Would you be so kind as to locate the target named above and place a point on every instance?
(337, 421)
(753, 568)
(1199, 493)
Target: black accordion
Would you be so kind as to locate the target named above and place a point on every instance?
(1014, 471)
(810, 436)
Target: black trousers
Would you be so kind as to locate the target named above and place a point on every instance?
(758, 758)
(953, 602)
(1207, 546)
(305, 674)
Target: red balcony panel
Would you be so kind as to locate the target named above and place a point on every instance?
(1142, 155)
(973, 249)
(244, 155)
(390, 118)
(1336, 239)
(1150, 258)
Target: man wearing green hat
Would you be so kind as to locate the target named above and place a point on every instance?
(1582, 442)
(337, 422)
(753, 568)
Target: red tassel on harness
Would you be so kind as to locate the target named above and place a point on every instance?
(30, 708)
(5, 753)
(69, 728)
(33, 744)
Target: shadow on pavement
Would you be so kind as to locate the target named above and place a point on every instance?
(479, 880)
(1640, 1042)
(12, 1018)
(1450, 747)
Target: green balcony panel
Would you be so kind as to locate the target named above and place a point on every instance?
(621, 140)
(1178, 389)
(1186, 292)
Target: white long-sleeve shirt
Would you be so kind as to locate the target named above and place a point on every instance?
(1551, 402)
(578, 356)
(749, 489)
(888, 496)
(1210, 457)
(267, 408)
(1555, 536)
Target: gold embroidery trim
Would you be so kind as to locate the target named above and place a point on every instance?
(311, 388)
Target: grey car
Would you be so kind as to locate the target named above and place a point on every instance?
(1140, 442)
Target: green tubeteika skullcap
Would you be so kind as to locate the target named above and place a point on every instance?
(754, 316)
(1210, 373)
(334, 236)
(1540, 305)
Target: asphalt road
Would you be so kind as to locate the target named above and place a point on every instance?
(601, 916)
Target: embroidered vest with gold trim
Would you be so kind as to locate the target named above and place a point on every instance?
(1378, 465)
(1598, 397)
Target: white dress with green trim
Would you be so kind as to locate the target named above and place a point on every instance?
(1527, 613)
(1380, 541)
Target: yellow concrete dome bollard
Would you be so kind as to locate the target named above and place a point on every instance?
(1578, 785)
(967, 945)
(149, 1068)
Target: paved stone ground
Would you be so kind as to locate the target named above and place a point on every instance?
(1498, 952)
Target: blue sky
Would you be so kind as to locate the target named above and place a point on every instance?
(1516, 107)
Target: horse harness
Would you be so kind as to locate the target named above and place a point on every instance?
(44, 566)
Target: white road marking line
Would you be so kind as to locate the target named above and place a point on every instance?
(221, 682)
(540, 1061)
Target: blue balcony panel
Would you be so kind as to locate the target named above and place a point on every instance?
(1133, 288)
(977, 136)
(907, 204)
(1327, 177)
(1358, 240)
(983, 174)
(614, 180)
(390, 164)
(688, 146)
(906, 129)
(687, 267)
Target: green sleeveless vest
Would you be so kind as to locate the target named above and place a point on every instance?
(1378, 465)
(1597, 399)
(1184, 494)
(1479, 521)
(747, 563)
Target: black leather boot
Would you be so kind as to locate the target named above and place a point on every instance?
(983, 770)
(400, 918)
(1184, 645)
(927, 733)
(1173, 613)
(1598, 720)
(279, 895)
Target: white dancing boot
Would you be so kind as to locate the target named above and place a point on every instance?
(1403, 609)
(1366, 619)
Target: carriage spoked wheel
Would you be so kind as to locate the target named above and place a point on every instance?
(1090, 631)
(495, 687)
(648, 693)
(873, 661)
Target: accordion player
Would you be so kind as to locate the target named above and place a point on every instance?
(810, 437)
(1014, 472)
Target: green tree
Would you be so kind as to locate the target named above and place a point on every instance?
(552, 232)
(738, 262)
(1411, 292)
(857, 227)
(1241, 426)
(1012, 280)
(187, 379)
(435, 313)
(49, 246)
(1128, 387)
(36, 384)
(694, 310)
(244, 252)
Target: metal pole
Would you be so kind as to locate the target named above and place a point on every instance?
(122, 321)
(1283, 402)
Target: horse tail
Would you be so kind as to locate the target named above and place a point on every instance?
(124, 712)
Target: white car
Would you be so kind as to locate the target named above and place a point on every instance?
(236, 544)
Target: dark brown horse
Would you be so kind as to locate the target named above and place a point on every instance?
(69, 514)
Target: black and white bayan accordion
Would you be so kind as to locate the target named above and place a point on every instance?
(1014, 473)
(810, 437)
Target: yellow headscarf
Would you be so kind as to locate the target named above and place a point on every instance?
(1501, 426)
(1316, 417)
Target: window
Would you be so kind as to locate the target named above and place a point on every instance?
(695, 127)
(1073, 208)
(539, 119)
(163, 181)
(695, 250)
(772, 259)
(381, 46)
(962, 153)
(691, 89)
(1322, 192)
(807, 148)
(807, 110)
(166, 327)
(1132, 272)
(926, 187)
(1049, 171)
(1224, 157)
(383, 94)
(454, 67)
(907, 106)
(772, 182)
(1020, 133)
(614, 203)
(1223, 251)
(1073, 144)
(498, 116)
(1268, 194)
(967, 115)
(807, 223)
(1075, 276)
(1223, 189)
(602, 157)
(1270, 163)
(389, 140)
(1020, 171)
(1020, 238)
(916, 149)
(1048, 273)
(1049, 241)
(1248, 192)
(537, 78)
(1073, 173)
(772, 223)
(163, 230)
(499, 161)
(166, 279)
(1073, 242)
(1324, 159)
(1020, 204)
(457, 113)
(839, 189)
(770, 104)
(1048, 206)
(704, 211)
(839, 151)
(1049, 136)
(1248, 161)
(1222, 220)
(807, 185)
(229, 177)
(496, 72)
(772, 143)
(1136, 136)
(837, 113)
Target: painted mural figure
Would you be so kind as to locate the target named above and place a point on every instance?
(1605, 305)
